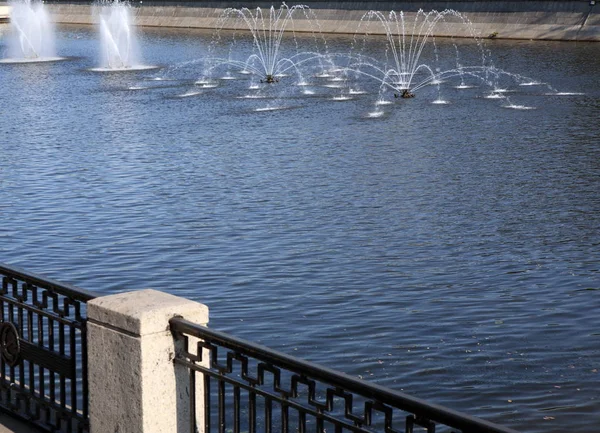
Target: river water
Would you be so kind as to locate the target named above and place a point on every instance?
(446, 250)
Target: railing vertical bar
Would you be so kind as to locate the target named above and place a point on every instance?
(2, 363)
(61, 344)
(207, 405)
(252, 411)
(51, 346)
(236, 409)
(41, 375)
(221, 406)
(73, 381)
(192, 401)
(41, 382)
(21, 366)
(20, 322)
(32, 388)
(268, 415)
(301, 422)
(61, 378)
(13, 394)
(320, 426)
(69, 424)
(6, 369)
(11, 313)
(284, 417)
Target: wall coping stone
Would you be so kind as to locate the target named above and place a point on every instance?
(142, 312)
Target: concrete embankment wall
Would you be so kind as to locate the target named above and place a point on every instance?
(4, 13)
(528, 19)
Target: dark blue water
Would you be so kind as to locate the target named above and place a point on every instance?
(449, 251)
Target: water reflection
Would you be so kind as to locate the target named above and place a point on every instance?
(444, 250)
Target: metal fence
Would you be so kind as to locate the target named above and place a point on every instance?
(234, 386)
(43, 366)
(243, 387)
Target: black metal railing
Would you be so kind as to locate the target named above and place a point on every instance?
(43, 365)
(234, 386)
(237, 386)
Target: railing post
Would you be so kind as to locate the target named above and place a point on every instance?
(134, 385)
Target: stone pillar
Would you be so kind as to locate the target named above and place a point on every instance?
(134, 386)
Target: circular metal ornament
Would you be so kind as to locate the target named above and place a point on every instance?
(10, 345)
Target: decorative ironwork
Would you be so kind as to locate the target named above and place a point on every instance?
(43, 367)
(10, 344)
(237, 386)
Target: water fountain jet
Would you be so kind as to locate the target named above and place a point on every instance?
(408, 41)
(119, 48)
(267, 28)
(32, 34)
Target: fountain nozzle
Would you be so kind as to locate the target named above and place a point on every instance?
(270, 79)
(405, 94)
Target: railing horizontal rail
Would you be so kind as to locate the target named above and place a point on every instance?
(421, 409)
(69, 290)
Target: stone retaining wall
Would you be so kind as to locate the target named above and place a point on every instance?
(4, 13)
(555, 20)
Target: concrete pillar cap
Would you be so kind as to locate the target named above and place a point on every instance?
(144, 312)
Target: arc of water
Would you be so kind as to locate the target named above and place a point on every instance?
(32, 31)
(111, 44)
(408, 41)
(295, 61)
(40, 21)
(268, 37)
(267, 32)
(124, 27)
(251, 21)
(24, 38)
(417, 43)
(268, 29)
(118, 35)
(28, 21)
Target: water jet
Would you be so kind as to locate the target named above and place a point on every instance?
(32, 34)
(118, 39)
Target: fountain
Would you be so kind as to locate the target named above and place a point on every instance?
(414, 60)
(32, 34)
(119, 49)
(407, 62)
(267, 29)
(408, 42)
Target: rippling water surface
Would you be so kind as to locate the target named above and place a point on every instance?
(446, 250)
